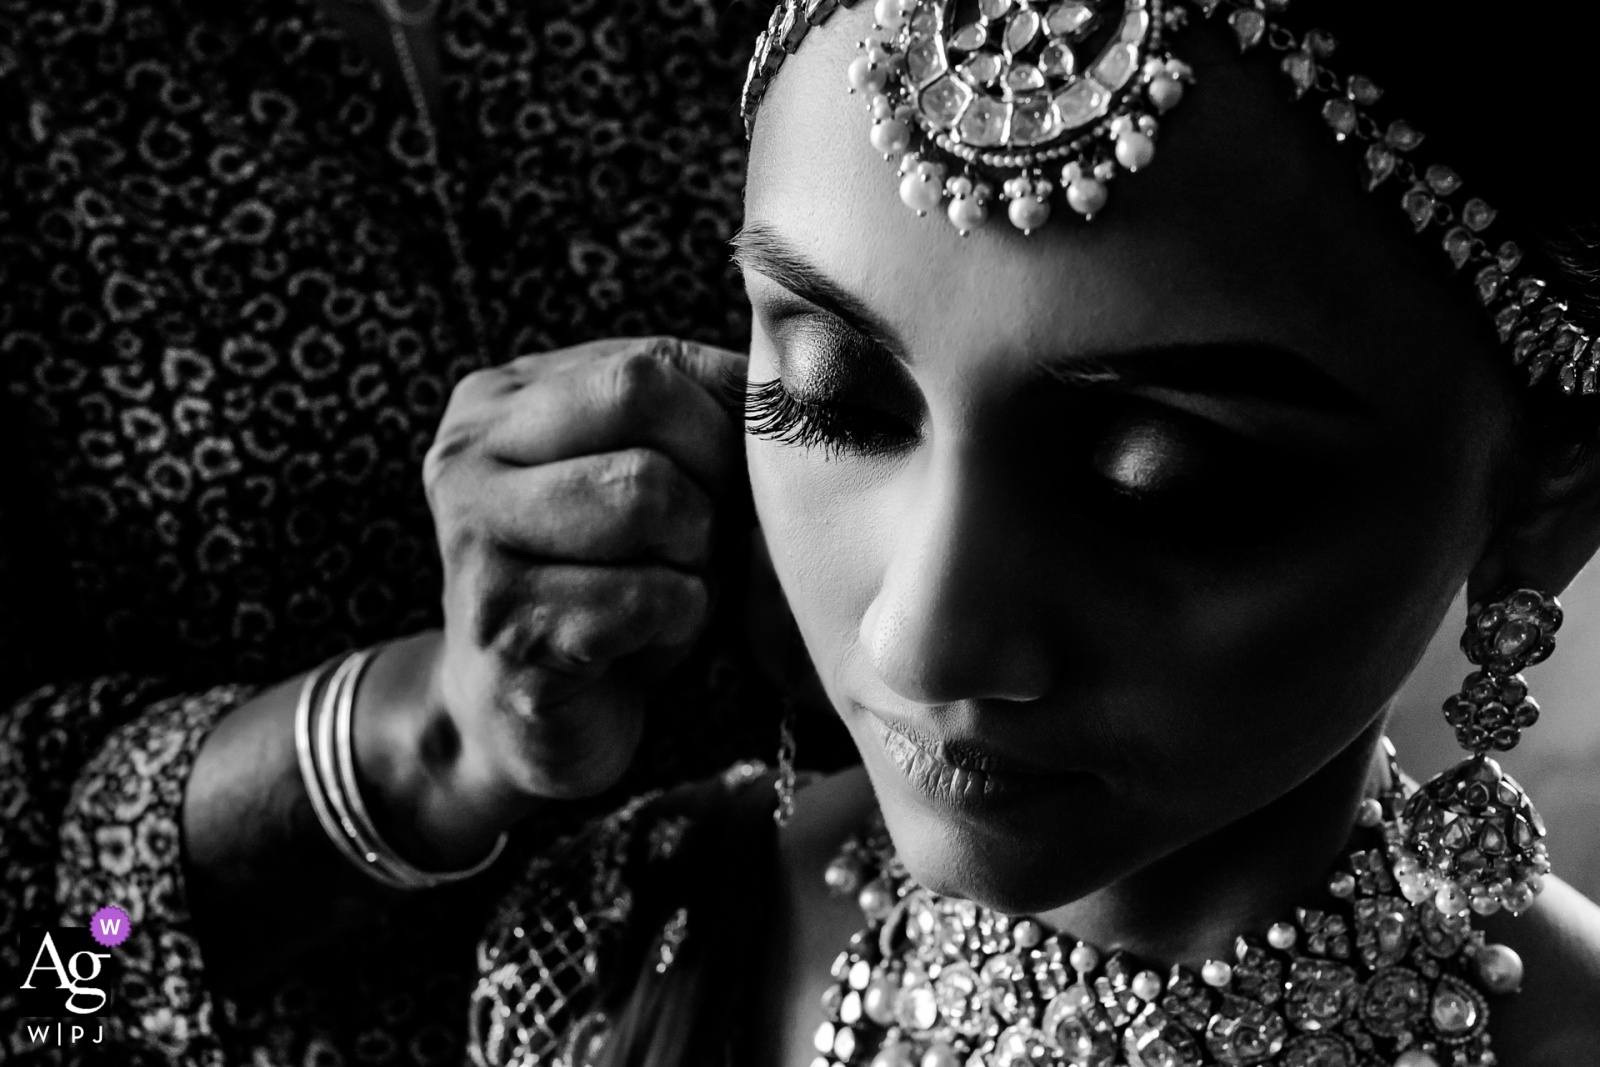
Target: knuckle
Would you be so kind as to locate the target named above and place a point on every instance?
(635, 380)
(436, 461)
(579, 650)
(527, 364)
(651, 497)
(643, 481)
(455, 439)
(441, 483)
(583, 642)
(475, 387)
(533, 626)
(500, 617)
(663, 346)
(475, 382)
(433, 462)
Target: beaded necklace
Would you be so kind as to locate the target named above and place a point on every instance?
(1381, 976)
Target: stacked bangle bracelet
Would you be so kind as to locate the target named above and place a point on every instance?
(322, 741)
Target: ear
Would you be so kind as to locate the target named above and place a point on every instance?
(1543, 545)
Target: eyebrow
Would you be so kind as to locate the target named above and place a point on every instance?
(1254, 369)
(759, 248)
(1246, 368)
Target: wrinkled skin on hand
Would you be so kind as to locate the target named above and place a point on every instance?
(573, 496)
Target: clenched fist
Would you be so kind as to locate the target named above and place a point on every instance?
(573, 496)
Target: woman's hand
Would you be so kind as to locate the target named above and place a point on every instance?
(573, 496)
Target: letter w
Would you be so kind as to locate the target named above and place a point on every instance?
(109, 927)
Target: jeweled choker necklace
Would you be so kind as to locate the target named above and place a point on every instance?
(1379, 976)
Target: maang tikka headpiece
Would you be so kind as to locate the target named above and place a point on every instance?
(1036, 95)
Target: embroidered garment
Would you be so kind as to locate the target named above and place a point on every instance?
(228, 329)
(632, 943)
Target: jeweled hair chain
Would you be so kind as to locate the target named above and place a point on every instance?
(1004, 97)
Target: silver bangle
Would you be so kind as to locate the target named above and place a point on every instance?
(372, 860)
(339, 769)
(328, 767)
(344, 755)
(306, 710)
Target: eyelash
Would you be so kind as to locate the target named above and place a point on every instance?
(1159, 518)
(773, 413)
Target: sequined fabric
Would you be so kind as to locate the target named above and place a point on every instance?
(227, 332)
(635, 935)
(540, 964)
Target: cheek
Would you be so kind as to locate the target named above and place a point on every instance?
(1273, 668)
(820, 535)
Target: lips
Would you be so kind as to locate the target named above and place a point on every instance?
(963, 775)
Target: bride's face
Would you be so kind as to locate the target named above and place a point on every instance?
(1105, 537)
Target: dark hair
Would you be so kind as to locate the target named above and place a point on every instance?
(1506, 99)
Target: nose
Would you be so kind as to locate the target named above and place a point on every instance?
(959, 615)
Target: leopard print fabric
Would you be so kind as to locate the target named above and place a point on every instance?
(228, 324)
(228, 328)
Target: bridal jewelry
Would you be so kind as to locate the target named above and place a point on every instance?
(784, 784)
(1377, 977)
(325, 749)
(981, 103)
(1472, 836)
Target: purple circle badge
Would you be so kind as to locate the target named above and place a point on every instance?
(110, 926)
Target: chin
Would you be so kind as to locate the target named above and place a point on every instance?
(1017, 871)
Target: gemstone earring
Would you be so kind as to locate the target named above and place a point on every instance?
(1470, 837)
(784, 784)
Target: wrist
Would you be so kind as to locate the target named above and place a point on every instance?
(433, 802)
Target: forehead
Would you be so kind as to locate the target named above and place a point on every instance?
(1248, 224)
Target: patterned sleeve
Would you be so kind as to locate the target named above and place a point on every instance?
(92, 778)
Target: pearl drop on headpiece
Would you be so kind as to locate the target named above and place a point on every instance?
(1134, 150)
(967, 210)
(890, 136)
(920, 193)
(865, 77)
(1028, 213)
(1165, 92)
(1086, 195)
(1018, 85)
